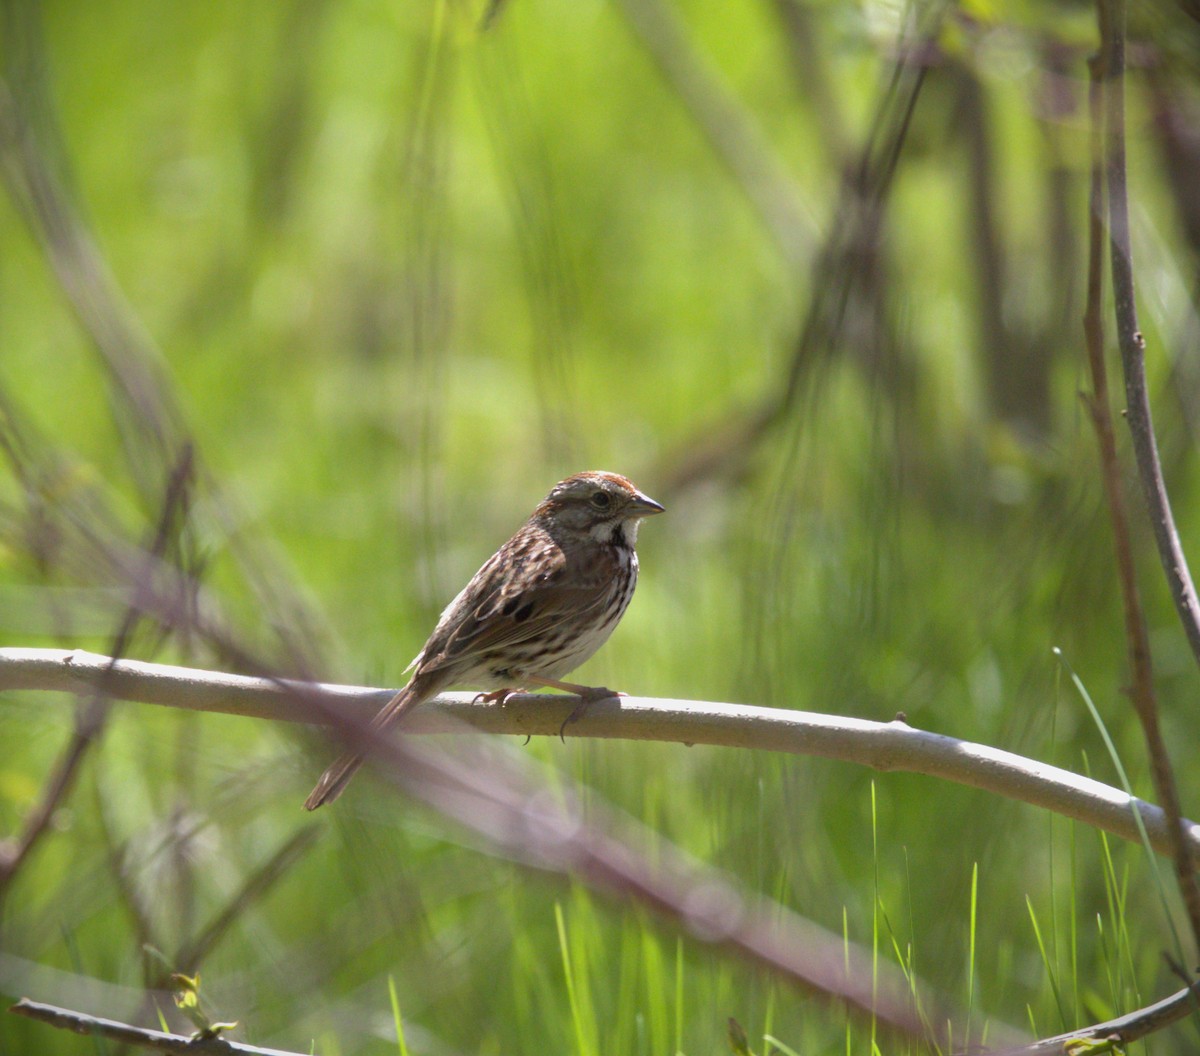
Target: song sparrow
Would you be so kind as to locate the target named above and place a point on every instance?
(538, 608)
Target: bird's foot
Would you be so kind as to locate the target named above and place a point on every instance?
(496, 696)
(588, 695)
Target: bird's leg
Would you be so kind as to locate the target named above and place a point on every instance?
(587, 696)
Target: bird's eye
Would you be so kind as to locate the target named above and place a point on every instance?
(602, 500)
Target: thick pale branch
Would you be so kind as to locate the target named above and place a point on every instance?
(882, 745)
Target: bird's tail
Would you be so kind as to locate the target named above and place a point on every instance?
(334, 780)
(337, 777)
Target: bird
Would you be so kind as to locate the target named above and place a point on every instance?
(538, 608)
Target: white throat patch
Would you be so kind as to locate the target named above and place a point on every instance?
(605, 530)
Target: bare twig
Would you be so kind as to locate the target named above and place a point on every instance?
(886, 746)
(1098, 405)
(1129, 337)
(176, 1044)
(1108, 81)
(1115, 1032)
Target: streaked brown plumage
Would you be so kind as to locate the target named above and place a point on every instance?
(538, 608)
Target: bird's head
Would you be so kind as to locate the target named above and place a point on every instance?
(605, 506)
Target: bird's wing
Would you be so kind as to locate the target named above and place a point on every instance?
(520, 594)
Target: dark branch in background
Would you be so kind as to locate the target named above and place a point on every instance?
(847, 269)
(838, 272)
(1117, 1032)
(1129, 337)
(1098, 403)
(177, 1044)
(1055, 328)
(810, 67)
(1108, 76)
(735, 139)
(91, 717)
(1016, 375)
(252, 890)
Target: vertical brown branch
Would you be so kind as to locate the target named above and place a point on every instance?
(1129, 337)
(1106, 97)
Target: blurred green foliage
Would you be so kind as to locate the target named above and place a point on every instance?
(404, 273)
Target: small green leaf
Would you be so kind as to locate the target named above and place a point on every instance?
(212, 1030)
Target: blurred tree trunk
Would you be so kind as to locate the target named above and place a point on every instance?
(1017, 376)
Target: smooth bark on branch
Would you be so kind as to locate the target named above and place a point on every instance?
(882, 745)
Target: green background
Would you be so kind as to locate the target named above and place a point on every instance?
(401, 274)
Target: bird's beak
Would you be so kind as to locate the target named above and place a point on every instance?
(644, 506)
